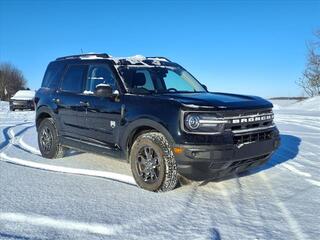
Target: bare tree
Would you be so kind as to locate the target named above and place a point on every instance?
(11, 80)
(310, 80)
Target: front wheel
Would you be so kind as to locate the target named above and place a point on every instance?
(48, 140)
(153, 163)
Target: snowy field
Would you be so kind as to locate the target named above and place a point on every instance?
(85, 196)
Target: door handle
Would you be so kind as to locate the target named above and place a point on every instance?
(84, 104)
(56, 100)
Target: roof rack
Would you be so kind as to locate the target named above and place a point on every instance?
(86, 55)
(160, 58)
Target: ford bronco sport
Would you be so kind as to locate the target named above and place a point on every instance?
(154, 114)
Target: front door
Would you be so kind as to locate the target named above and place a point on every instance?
(103, 114)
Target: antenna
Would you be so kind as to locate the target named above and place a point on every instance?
(81, 51)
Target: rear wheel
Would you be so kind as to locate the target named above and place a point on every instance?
(48, 140)
(152, 163)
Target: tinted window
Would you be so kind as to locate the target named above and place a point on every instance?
(53, 75)
(159, 80)
(73, 79)
(99, 74)
(178, 82)
(148, 80)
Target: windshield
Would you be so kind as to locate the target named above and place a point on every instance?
(159, 80)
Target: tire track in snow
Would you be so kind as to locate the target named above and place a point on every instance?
(312, 144)
(5, 133)
(295, 170)
(301, 133)
(8, 134)
(236, 215)
(28, 147)
(313, 182)
(246, 209)
(304, 122)
(78, 171)
(49, 222)
(301, 125)
(12, 138)
(292, 223)
(283, 154)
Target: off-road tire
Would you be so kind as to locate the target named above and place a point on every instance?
(168, 168)
(56, 150)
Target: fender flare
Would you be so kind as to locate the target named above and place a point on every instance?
(130, 130)
(44, 109)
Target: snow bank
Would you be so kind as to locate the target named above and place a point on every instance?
(4, 106)
(310, 104)
(279, 104)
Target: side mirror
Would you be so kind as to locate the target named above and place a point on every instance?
(103, 90)
(205, 87)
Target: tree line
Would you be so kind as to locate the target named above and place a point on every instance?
(11, 81)
(310, 80)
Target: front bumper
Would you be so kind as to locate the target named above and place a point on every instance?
(200, 162)
(24, 104)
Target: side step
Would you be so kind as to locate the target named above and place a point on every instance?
(87, 146)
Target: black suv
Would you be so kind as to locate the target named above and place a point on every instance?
(154, 114)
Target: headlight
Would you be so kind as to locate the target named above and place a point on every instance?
(192, 121)
(203, 122)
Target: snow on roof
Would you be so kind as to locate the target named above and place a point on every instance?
(139, 59)
(132, 59)
(23, 95)
(136, 59)
(89, 57)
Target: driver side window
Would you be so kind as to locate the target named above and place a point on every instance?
(98, 74)
(148, 83)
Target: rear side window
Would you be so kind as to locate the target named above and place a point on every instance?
(73, 78)
(53, 75)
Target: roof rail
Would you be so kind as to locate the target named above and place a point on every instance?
(86, 55)
(164, 58)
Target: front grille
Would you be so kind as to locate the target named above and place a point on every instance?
(248, 120)
(22, 102)
(242, 126)
(252, 137)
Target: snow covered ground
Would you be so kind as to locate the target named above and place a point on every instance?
(85, 196)
(311, 104)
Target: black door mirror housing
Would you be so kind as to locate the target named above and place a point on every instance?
(205, 87)
(103, 90)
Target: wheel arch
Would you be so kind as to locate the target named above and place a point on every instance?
(138, 127)
(42, 113)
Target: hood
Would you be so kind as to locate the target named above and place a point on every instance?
(219, 100)
(24, 95)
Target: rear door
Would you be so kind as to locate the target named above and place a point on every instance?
(71, 110)
(103, 114)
